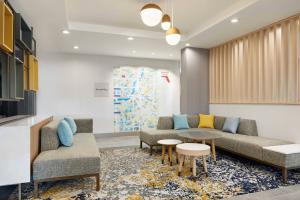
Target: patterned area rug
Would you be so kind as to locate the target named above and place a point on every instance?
(131, 173)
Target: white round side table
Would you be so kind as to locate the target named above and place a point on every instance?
(193, 150)
(170, 144)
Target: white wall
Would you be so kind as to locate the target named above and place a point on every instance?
(66, 84)
(274, 121)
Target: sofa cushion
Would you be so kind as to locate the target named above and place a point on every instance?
(227, 141)
(180, 122)
(247, 127)
(253, 146)
(231, 124)
(65, 133)
(165, 123)
(219, 122)
(80, 159)
(84, 125)
(193, 121)
(247, 145)
(210, 130)
(289, 159)
(49, 137)
(151, 137)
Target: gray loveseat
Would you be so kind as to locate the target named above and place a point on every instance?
(246, 142)
(56, 162)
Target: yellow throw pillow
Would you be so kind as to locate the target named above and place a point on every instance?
(206, 121)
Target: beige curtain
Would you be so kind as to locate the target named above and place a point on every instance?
(261, 67)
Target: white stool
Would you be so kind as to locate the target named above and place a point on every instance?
(193, 150)
(170, 143)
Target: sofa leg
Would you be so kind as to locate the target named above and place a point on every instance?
(141, 144)
(35, 189)
(284, 175)
(151, 149)
(97, 182)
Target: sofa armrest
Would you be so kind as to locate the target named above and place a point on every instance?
(84, 125)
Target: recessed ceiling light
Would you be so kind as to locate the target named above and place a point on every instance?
(171, 55)
(130, 38)
(153, 53)
(66, 32)
(76, 47)
(187, 44)
(234, 20)
(133, 51)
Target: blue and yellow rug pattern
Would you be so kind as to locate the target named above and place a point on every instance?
(132, 174)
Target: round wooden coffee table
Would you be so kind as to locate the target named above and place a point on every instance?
(201, 136)
(192, 150)
(170, 144)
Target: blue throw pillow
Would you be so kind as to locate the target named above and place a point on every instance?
(65, 133)
(180, 122)
(71, 123)
(231, 124)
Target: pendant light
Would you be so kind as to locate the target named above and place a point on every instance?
(173, 34)
(166, 22)
(151, 14)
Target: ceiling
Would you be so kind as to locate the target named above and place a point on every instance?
(103, 26)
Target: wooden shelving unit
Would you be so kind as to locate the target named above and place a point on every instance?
(33, 73)
(18, 62)
(6, 28)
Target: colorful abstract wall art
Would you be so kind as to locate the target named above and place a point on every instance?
(136, 98)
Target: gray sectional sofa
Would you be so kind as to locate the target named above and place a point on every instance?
(56, 162)
(245, 142)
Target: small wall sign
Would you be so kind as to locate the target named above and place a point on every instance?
(101, 89)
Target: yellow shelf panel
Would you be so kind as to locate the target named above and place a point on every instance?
(33, 73)
(26, 71)
(6, 28)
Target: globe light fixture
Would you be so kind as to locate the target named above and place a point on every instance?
(173, 36)
(166, 22)
(151, 14)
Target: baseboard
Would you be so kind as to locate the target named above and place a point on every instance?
(116, 134)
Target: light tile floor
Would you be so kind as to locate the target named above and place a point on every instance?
(284, 193)
(117, 141)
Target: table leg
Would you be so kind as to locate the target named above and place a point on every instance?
(213, 149)
(20, 191)
(194, 166)
(284, 175)
(170, 154)
(181, 157)
(163, 154)
(205, 165)
(191, 163)
(176, 154)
